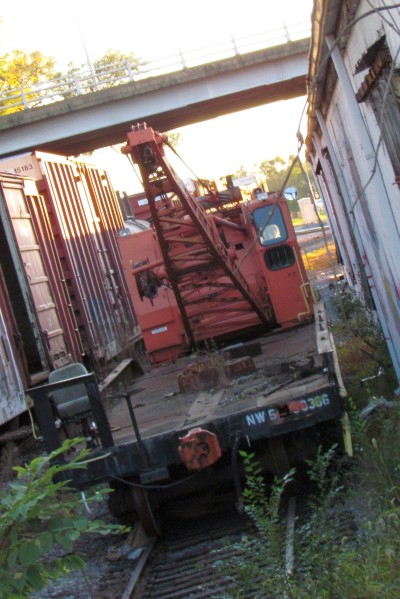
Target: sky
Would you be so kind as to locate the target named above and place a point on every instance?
(72, 31)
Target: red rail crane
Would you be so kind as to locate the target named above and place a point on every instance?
(225, 274)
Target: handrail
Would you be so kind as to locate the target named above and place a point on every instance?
(84, 81)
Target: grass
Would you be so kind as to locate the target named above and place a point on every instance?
(319, 259)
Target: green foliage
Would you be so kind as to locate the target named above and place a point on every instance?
(19, 70)
(110, 70)
(174, 138)
(258, 569)
(362, 349)
(112, 56)
(240, 172)
(319, 543)
(347, 543)
(277, 172)
(377, 445)
(260, 566)
(373, 561)
(39, 511)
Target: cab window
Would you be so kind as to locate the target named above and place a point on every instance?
(270, 225)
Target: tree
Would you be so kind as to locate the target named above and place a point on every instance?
(275, 171)
(113, 65)
(174, 138)
(110, 69)
(19, 70)
(241, 172)
(298, 180)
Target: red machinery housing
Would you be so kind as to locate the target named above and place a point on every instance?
(210, 266)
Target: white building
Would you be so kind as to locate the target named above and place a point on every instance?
(353, 142)
(307, 211)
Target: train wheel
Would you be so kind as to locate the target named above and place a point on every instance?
(147, 517)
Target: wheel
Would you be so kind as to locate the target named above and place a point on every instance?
(145, 513)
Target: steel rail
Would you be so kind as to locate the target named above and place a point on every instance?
(135, 576)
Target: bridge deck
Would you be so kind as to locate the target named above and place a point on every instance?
(99, 119)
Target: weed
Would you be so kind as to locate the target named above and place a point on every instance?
(258, 567)
(362, 349)
(334, 558)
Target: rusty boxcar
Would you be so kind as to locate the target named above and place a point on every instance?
(26, 353)
(77, 217)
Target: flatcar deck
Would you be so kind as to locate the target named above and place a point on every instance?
(289, 384)
(288, 367)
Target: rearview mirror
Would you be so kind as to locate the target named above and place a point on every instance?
(290, 193)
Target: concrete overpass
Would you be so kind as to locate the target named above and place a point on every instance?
(102, 118)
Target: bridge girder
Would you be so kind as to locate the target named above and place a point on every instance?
(86, 123)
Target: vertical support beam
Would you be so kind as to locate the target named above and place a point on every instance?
(99, 414)
(45, 419)
(336, 191)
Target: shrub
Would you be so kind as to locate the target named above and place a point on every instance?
(38, 512)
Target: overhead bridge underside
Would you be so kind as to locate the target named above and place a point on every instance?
(85, 123)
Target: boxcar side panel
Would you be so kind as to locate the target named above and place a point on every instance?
(41, 290)
(12, 395)
(37, 209)
(32, 349)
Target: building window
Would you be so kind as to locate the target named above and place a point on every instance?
(381, 90)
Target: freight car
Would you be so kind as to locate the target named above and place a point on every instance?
(210, 270)
(75, 217)
(32, 339)
(63, 295)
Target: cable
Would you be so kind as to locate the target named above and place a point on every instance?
(129, 157)
(95, 459)
(30, 417)
(278, 196)
(331, 263)
(392, 25)
(348, 27)
(299, 136)
(336, 42)
(324, 61)
(153, 487)
(210, 191)
(235, 470)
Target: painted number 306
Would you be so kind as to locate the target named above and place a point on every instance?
(302, 405)
(311, 403)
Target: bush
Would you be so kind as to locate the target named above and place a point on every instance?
(39, 513)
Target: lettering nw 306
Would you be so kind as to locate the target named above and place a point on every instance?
(296, 406)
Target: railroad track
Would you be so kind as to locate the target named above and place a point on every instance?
(183, 563)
